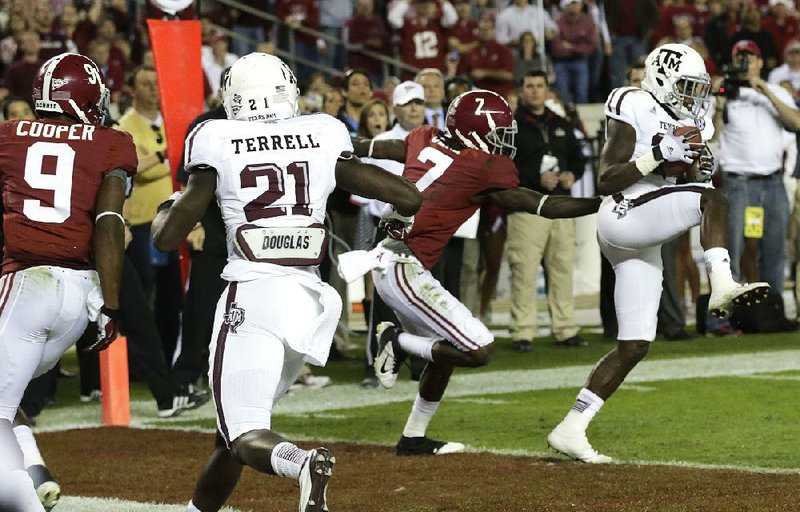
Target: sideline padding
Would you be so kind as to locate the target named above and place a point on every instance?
(114, 384)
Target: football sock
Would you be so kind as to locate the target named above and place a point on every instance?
(191, 508)
(287, 459)
(586, 405)
(421, 414)
(718, 265)
(27, 443)
(419, 346)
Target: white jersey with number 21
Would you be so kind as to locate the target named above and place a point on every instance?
(269, 175)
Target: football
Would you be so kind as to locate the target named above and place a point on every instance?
(692, 134)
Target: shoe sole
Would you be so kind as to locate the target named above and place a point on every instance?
(49, 493)
(387, 379)
(313, 495)
(172, 413)
(447, 449)
(599, 459)
(751, 294)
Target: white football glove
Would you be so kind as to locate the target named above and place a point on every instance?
(674, 148)
(397, 226)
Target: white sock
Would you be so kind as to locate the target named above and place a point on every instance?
(421, 414)
(419, 346)
(191, 508)
(586, 405)
(27, 443)
(718, 266)
(286, 460)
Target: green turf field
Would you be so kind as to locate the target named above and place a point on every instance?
(715, 401)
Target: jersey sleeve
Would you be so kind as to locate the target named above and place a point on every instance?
(200, 146)
(335, 134)
(417, 139)
(501, 173)
(122, 153)
(621, 105)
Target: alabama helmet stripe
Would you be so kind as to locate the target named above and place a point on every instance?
(48, 75)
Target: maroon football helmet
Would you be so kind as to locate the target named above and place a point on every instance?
(72, 85)
(482, 120)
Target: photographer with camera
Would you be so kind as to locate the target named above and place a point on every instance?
(751, 116)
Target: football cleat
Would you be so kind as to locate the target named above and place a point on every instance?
(188, 397)
(390, 355)
(723, 299)
(575, 445)
(425, 446)
(47, 488)
(314, 475)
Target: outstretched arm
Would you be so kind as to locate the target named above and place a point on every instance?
(176, 218)
(552, 207)
(371, 181)
(389, 149)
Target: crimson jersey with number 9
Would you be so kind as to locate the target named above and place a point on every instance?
(51, 171)
(449, 181)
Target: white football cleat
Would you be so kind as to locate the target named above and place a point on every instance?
(390, 355)
(575, 445)
(724, 298)
(314, 475)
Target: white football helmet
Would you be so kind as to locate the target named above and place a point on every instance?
(260, 87)
(676, 75)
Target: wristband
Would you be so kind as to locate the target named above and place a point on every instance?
(109, 312)
(648, 162)
(541, 203)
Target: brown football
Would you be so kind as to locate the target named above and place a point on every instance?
(692, 133)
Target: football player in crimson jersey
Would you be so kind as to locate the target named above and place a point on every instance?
(645, 208)
(456, 170)
(63, 179)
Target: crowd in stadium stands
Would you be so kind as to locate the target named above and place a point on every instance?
(345, 64)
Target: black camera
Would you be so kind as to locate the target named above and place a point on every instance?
(734, 78)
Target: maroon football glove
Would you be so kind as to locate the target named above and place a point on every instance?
(107, 329)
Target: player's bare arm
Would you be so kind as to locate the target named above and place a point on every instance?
(393, 149)
(522, 199)
(174, 221)
(371, 181)
(616, 171)
(109, 237)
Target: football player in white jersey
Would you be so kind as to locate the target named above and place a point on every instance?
(644, 209)
(271, 171)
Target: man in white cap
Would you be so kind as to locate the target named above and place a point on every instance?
(789, 71)
(408, 101)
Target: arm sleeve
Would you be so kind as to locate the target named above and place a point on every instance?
(449, 14)
(122, 153)
(620, 105)
(339, 135)
(200, 146)
(501, 173)
(396, 13)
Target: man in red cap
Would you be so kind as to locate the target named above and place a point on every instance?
(752, 132)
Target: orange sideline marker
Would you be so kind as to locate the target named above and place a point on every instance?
(114, 384)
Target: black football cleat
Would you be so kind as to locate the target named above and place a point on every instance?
(425, 446)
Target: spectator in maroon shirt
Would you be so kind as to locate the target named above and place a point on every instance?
(422, 25)
(100, 53)
(490, 65)
(301, 13)
(19, 75)
(631, 24)
(577, 39)
(52, 43)
(782, 23)
(670, 13)
(366, 31)
(463, 36)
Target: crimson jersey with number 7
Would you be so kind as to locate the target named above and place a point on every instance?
(449, 181)
(51, 171)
